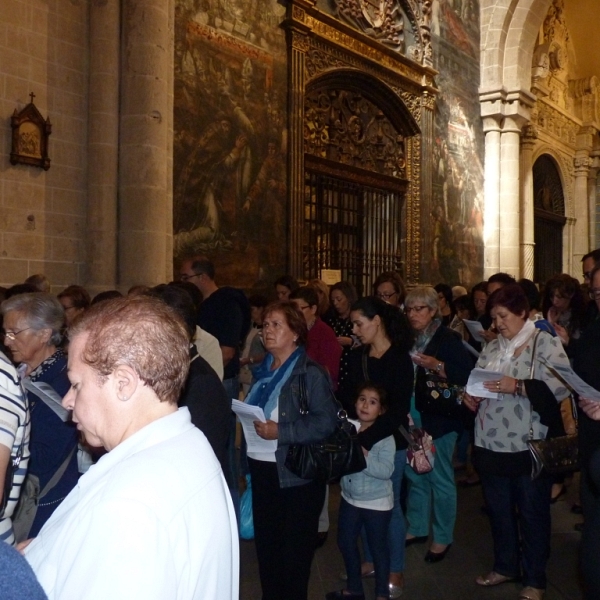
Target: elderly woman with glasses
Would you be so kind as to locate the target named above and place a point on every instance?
(32, 326)
(389, 287)
(438, 350)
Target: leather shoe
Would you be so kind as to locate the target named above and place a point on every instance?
(530, 593)
(435, 557)
(492, 578)
(419, 539)
(339, 595)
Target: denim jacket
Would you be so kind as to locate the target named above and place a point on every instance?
(374, 482)
(295, 428)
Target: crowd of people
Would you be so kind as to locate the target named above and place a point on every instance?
(122, 458)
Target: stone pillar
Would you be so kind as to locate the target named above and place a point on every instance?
(509, 197)
(144, 209)
(527, 202)
(581, 233)
(592, 208)
(103, 146)
(491, 222)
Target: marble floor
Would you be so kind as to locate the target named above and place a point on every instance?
(453, 578)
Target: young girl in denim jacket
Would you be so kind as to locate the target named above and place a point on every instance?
(367, 500)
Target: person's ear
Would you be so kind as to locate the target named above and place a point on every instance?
(45, 334)
(125, 382)
(313, 309)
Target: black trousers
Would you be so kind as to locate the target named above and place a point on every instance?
(590, 538)
(286, 521)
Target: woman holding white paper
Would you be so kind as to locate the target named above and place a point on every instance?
(525, 407)
(286, 508)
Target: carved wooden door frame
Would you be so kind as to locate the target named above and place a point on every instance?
(321, 48)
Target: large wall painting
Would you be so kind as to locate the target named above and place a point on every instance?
(457, 214)
(229, 175)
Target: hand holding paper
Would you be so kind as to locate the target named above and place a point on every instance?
(247, 414)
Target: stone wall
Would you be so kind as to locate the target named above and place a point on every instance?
(43, 49)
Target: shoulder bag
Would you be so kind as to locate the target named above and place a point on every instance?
(326, 461)
(434, 394)
(557, 455)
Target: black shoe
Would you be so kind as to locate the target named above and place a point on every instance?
(435, 557)
(339, 595)
(577, 509)
(420, 539)
(578, 527)
(321, 539)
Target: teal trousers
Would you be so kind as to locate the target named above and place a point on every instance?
(432, 496)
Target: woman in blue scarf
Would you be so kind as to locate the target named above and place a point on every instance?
(286, 508)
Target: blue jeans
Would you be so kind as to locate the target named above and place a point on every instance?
(519, 504)
(397, 529)
(376, 525)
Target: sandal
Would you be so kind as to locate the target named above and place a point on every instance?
(531, 593)
(493, 578)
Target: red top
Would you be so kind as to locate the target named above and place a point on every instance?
(322, 346)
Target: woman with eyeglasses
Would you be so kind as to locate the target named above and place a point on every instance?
(389, 287)
(75, 300)
(32, 332)
(432, 496)
(383, 359)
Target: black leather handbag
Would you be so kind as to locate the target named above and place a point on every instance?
(328, 460)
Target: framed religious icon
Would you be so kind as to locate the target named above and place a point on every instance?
(30, 134)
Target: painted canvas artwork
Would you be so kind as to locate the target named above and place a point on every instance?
(229, 176)
(457, 219)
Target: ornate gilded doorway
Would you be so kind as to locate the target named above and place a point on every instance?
(549, 219)
(361, 138)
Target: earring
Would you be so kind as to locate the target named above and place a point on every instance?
(123, 399)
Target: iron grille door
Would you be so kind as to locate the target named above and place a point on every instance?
(350, 227)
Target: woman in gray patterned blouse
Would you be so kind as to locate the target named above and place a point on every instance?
(525, 400)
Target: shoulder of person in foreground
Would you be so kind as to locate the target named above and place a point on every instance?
(17, 580)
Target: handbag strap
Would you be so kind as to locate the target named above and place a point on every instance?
(303, 400)
(57, 475)
(531, 373)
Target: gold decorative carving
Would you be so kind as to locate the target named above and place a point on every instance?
(381, 20)
(345, 127)
(318, 61)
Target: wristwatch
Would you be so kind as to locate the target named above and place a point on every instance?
(439, 367)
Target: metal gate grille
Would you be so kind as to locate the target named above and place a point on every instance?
(350, 227)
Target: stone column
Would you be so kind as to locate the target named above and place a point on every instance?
(103, 146)
(581, 233)
(144, 209)
(592, 204)
(491, 222)
(509, 196)
(527, 202)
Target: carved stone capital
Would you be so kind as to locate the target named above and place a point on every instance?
(582, 165)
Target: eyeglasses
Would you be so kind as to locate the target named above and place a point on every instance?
(385, 296)
(594, 293)
(185, 277)
(12, 335)
(417, 309)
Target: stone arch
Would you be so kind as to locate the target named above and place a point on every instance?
(507, 45)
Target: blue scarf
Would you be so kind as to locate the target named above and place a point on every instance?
(265, 392)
